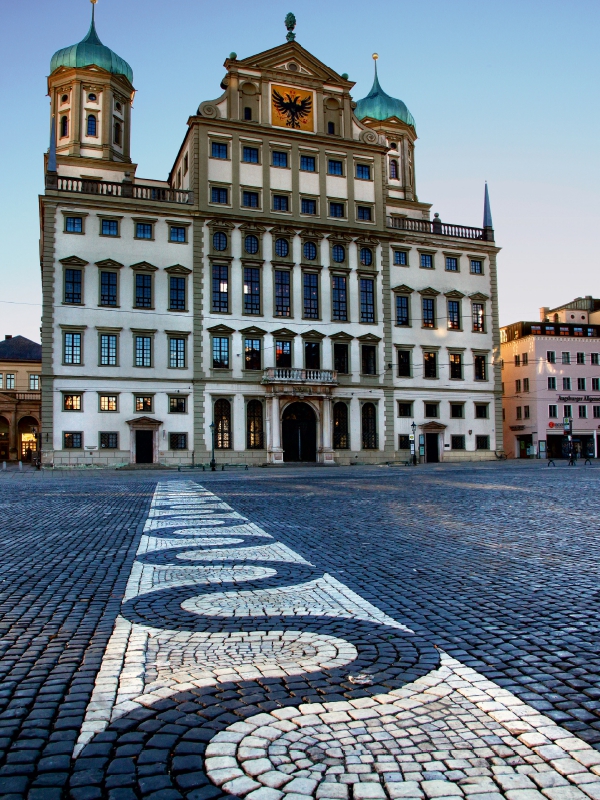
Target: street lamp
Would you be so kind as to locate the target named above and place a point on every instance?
(413, 427)
(213, 463)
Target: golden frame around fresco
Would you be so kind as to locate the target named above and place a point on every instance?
(292, 108)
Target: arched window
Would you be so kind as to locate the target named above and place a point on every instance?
(91, 125)
(117, 136)
(310, 251)
(220, 241)
(282, 248)
(341, 440)
(366, 256)
(369, 427)
(394, 169)
(64, 127)
(251, 244)
(223, 425)
(339, 253)
(254, 425)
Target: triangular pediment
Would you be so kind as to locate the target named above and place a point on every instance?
(279, 59)
(478, 296)
(140, 422)
(284, 332)
(218, 329)
(454, 294)
(109, 262)
(178, 269)
(144, 265)
(369, 338)
(403, 289)
(73, 261)
(313, 335)
(252, 331)
(220, 223)
(433, 426)
(341, 337)
(429, 292)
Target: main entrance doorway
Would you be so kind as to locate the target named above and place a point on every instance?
(299, 433)
(144, 447)
(432, 453)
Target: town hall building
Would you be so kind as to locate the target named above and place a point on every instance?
(283, 296)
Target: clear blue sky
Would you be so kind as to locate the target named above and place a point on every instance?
(503, 90)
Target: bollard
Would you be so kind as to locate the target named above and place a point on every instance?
(4, 466)
(20, 466)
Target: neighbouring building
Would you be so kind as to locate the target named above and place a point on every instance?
(551, 372)
(283, 295)
(20, 398)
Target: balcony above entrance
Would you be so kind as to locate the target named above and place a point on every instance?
(290, 375)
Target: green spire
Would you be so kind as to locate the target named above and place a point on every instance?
(380, 106)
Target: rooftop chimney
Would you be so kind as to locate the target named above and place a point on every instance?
(8, 336)
(544, 311)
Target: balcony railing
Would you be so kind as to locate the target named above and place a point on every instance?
(292, 375)
(439, 228)
(137, 191)
(32, 396)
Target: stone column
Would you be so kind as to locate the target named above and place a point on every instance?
(328, 454)
(276, 449)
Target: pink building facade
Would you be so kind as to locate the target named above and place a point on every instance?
(550, 372)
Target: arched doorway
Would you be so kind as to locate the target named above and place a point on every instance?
(299, 433)
(4, 428)
(27, 439)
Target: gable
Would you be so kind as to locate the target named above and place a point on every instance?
(280, 58)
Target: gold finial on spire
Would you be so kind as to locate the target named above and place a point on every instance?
(375, 55)
(93, 2)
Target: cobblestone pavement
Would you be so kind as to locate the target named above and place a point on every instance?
(351, 634)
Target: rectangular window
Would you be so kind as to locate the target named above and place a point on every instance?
(307, 163)
(428, 312)
(595, 358)
(280, 158)
(143, 230)
(176, 293)
(72, 440)
(481, 410)
(72, 402)
(457, 410)
(220, 351)
(400, 259)
(426, 261)
(186, 162)
(476, 267)
(596, 412)
(480, 368)
(312, 355)
(1, 380)
(283, 354)
(177, 353)
(74, 225)
(109, 227)
(339, 299)
(432, 410)
(457, 442)
(250, 155)
(108, 350)
(220, 287)
(518, 385)
(456, 370)
(519, 411)
(549, 330)
(566, 358)
(367, 300)
(176, 233)
(582, 412)
(595, 384)
(143, 290)
(309, 206)
(482, 442)
(250, 199)
(177, 404)
(536, 330)
(282, 293)
(525, 384)
(405, 409)
(451, 264)
(336, 210)
(311, 295)
(517, 361)
(219, 195)
(143, 402)
(143, 351)
(108, 402)
(218, 150)
(478, 312)
(10, 380)
(581, 384)
(402, 315)
(525, 359)
(581, 358)
(526, 412)
(34, 383)
(403, 441)
(577, 331)
(108, 289)
(340, 358)
(553, 412)
(178, 441)
(567, 411)
(109, 441)
(280, 202)
(72, 348)
(363, 213)
(363, 172)
(566, 382)
(369, 359)
(404, 364)
(453, 315)
(251, 290)
(430, 364)
(252, 355)
(551, 357)
(335, 167)
(73, 286)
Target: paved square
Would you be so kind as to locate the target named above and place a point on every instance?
(347, 633)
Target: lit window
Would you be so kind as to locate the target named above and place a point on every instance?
(478, 313)
(430, 364)
(108, 402)
(456, 366)
(222, 416)
(480, 368)
(177, 404)
(252, 354)
(71, 402)
(428, 312)
(453, 315)
(254, 425)
(72, 440)
(283, 354)
(143, 402)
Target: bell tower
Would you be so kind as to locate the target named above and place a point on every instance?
(91, 92)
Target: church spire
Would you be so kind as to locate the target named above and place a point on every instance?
(487, 211)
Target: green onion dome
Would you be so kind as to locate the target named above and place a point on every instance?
(379, 105)
(88, 51)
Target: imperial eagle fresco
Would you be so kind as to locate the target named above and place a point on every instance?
(292, 108)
